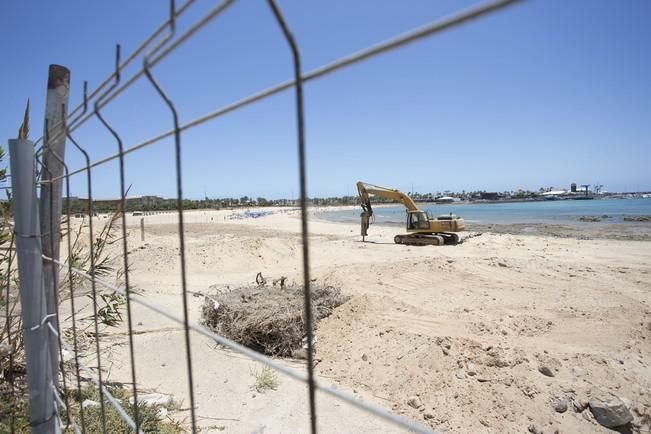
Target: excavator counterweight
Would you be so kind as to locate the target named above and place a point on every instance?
(422, 230)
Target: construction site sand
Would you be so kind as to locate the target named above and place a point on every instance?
(463, 328)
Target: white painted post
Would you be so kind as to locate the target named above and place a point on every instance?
(42, 414)
(56, 104)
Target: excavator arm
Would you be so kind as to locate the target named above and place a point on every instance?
(365, 190)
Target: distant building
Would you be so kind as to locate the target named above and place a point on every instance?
(554, 193)
(489, 195)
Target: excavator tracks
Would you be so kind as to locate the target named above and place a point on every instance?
(437, 239)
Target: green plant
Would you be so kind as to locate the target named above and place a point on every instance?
(14, 412)
(80, 255)
(148, 415)
(265, 379)
(109, 305)
(110, 313)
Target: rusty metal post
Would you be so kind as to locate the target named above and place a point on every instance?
(56, 105)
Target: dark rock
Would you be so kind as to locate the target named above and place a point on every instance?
(560, 405)
(637, 218)
(414, 402)
(533, 429)
(546, 371)
(609, 410)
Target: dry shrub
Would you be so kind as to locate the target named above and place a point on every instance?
(265, 379)
(268, 319)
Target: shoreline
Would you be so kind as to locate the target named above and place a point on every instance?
(577, 229)
(627, 231)
(607, 231)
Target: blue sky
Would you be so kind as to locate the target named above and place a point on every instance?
(542, 94)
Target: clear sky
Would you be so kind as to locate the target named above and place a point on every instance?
(542, 94)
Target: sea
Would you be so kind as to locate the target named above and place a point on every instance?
(565, 212)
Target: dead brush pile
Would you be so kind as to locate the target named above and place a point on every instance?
(268, 319)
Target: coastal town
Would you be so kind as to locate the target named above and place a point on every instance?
(156, 203)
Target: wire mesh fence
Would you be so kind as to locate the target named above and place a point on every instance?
(57, 396)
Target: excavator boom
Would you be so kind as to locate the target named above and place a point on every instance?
(365, 190)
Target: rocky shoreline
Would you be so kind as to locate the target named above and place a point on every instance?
(631, 231)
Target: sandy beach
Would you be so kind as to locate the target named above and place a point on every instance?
(465, 330)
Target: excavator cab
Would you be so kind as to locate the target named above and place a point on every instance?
(417, 220)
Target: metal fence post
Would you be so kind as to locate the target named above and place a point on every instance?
(32, 297)
(54, 136)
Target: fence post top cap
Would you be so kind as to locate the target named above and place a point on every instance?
(26, 141)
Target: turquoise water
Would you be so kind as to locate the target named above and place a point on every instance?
(551, 212)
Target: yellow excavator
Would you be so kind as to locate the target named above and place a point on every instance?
(422, 230)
